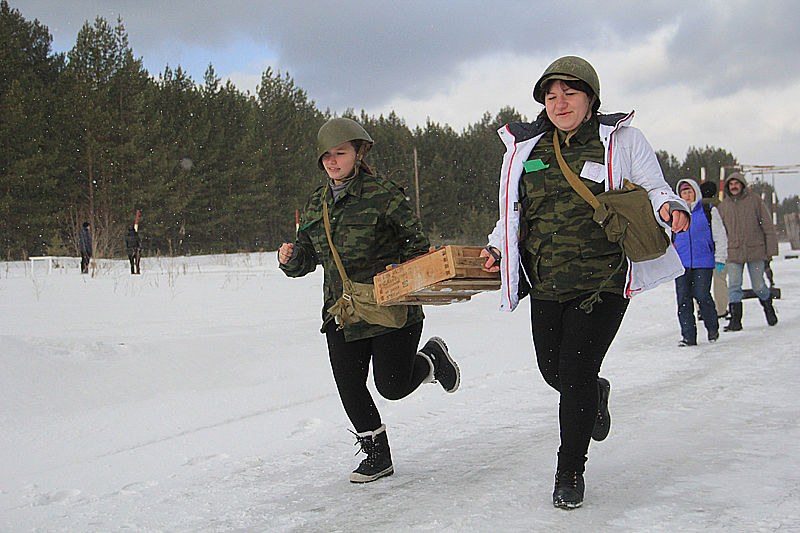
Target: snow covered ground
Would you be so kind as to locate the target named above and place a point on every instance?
(198, 397)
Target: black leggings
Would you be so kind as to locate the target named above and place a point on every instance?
(134, 257)
(570, 347)
(85, 258)
(396, 368)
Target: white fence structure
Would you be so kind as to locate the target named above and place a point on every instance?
(54, 262)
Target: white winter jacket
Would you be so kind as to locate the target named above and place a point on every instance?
(627, 156)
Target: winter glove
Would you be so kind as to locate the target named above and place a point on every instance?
(719, 267)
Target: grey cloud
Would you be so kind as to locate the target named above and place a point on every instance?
(360, 54)
(740, 44)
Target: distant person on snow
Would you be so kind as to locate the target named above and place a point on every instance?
(546, 239)
(719, 278)
(355, 225)
(703, 249)
(85, 247)
(752, 241)
(134, 246)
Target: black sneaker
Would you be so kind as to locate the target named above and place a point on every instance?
(445, 370)
(713, 336)
(687, 342)
(568, 493)
(602, 424)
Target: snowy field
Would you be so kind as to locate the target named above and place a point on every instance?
(198, 397)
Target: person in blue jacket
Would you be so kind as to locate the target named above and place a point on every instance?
(702, 249)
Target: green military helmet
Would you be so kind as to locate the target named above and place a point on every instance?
(338, 131)
(568, 68)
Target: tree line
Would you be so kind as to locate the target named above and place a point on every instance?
(90, 135)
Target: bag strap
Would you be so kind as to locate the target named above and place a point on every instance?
(574, 181)
(583, 191)
(336, 258)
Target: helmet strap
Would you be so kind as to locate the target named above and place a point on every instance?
(362, 150)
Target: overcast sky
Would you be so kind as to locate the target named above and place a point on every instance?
(698, 73)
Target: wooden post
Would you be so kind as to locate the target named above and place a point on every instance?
(416, 181)
(792, 223)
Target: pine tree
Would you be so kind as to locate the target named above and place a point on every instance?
(28, 157)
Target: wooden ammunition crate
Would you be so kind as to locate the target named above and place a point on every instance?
(444, 275)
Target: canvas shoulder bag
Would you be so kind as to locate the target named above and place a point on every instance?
(357, 302)
(626, 215)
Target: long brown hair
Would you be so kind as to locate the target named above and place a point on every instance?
(362, 147)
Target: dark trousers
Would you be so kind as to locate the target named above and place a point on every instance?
(85, 256)
(134, 257)
(695, 284)
(396, 368)
(570, 346)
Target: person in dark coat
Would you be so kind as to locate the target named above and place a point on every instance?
(134, 245)
(719, 279)
(85, 247)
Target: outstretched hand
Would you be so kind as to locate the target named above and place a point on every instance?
(680, 219)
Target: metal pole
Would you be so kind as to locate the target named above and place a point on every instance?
(774, 203)
(416, 181)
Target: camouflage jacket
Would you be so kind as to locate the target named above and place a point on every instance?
(566, 254)
(372, 226)
(627, 156)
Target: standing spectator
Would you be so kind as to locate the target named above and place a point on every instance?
(134, 246)
(720, 278)
(85, 247)
(703, 249)
(752, 241)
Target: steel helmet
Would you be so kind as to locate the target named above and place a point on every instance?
(338, 131)
(568, 68)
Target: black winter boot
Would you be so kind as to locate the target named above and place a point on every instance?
(602, 424)
(736, 317)
(769, 311)
(568, 493)
(378, 462)
(445, 370)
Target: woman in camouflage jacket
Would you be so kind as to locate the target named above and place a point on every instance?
(372, 226)
(548, 245)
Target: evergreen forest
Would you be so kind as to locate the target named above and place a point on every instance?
(91, 135)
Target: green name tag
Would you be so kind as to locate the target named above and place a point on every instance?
(534, 164)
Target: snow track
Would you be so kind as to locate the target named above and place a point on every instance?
(198, 397)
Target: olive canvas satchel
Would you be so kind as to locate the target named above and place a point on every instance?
(626, 215)
(358, 299)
